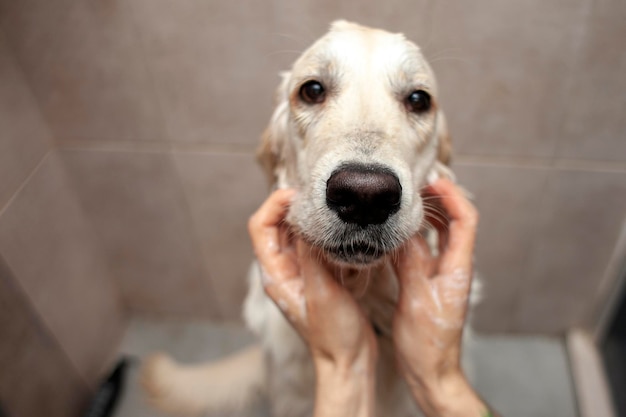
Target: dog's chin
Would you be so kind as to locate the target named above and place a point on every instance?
(351, 245)
(356, 256)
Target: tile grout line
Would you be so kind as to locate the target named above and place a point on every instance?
(19, 189)
(527, 258)
(139, 36)
(113, 280)
(44, 327)
(48, 155)
(577, 53)
(588, 165)
(156, 147)
(191, 221)
(51, 139)
(168, 149)
(96, 237)
(559, 164)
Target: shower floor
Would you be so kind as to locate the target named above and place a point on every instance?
(519, 376)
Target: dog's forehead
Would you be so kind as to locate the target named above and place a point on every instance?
(370, 46)
(349, 47)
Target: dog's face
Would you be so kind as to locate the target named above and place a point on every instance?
(357, 131)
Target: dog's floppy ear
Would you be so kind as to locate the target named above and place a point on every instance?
(441, 169)
(444, 149)
(271, 151)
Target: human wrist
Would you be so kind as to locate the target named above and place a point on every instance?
(447, 395)
(362, 355)
(345, 388)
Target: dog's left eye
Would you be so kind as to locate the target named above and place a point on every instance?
(418, 101)
(312, 92)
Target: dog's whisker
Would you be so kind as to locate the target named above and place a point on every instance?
(443, 51)
(433, 197)
(283, 51)
(450, 58)
(366, 284)
(437, 215)
(291, 37)
(341, 279)
(436, 211)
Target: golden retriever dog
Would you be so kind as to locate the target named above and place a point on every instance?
(358, 131)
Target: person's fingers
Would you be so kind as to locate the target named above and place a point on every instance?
(414, 260)
(287, 244)
(263, 224)
(413, 269)
(335, 322)
(326, 299)
(266, 228)
(458, 254)
(279, 269)
(436, 217)
(288, 295)
(319, 282)
(286, 286)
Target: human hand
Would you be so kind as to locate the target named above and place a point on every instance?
(432, 307)
(326, 316)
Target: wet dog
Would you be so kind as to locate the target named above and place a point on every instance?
(358, 131)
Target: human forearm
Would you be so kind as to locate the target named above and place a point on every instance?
(345, 390)
(448, 396)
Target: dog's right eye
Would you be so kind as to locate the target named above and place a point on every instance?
(418, 101)
(312, 92)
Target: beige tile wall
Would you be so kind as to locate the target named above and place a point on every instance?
(61, 315)
(223, 189)
(47, 242)
(25, 139)
(83, 64)
(37, 377)
(140, 212)
(156, 107)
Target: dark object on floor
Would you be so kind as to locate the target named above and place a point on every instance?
(106, 398)
(614, 353)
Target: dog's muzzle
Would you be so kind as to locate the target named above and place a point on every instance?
(364, 197)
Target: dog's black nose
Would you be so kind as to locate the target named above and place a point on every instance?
(363, 194)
